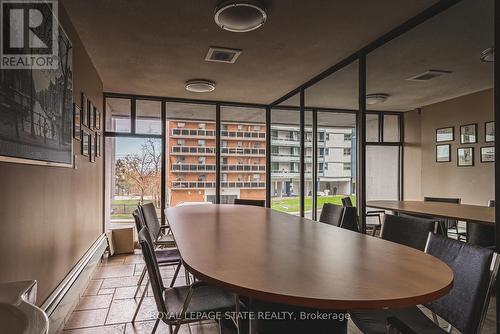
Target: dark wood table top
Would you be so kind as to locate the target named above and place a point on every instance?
(276, 257)
(465, 212)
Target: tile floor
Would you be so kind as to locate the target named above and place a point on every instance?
(107, 305)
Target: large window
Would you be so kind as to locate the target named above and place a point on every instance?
(285, 157)
(190, 154)
(243, 153)
(133, 176)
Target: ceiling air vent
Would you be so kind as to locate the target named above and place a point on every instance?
(428, 75)
(222, 55)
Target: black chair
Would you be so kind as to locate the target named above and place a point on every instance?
(480, 234)
(449, 224)
(349, 219)
(409, 231)
(197, 299)
(252, 202)
(347, 202)
(164, 257)
(159, 233)
(464, 307)
(331, 214)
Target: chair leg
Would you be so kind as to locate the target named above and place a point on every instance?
(176, 329)
(188, 278)
(140, 303)
(175, 275)
(140, 281)
(220, 326)
(155, 326)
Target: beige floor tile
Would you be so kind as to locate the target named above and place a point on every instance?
(93, 287)
(134, 258)
(210, 328)
(117, 259)
(119, 270)
(145, 327)
(112, 329)
(94, 302)
(119, 282)
(106, 292)
(126, 292)
(122, 310)
(91, 318)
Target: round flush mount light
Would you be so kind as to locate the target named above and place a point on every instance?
(200, 86)
(372, 99)
(240, 16)
(488, 55)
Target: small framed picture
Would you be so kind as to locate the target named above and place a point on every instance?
(97, 144)
(489, 132)
(92, 147)
(445, 134)
(92, 116)
(468, 134)
(97, 119)
(465, 156)
(85, 143)
(443, 153)
(77, 126)
(85, 110)
(488, 154)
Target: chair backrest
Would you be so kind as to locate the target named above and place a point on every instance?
(349, 219)
(346, 201)
(474, 269)
(153, 270)
(331, 214)
(408, 231)
(253, 202)
(442, 199)
(151, 220)
(481, 235)
(139, 223)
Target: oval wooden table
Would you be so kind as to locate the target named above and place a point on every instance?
(280, 258)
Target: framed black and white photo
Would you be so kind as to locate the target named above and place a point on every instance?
(92, 147)
(468, 134)
(98, 144)
(85, 143)
(443, 153)
(92, 116)
(489, 132)
(85, 110)
(77, 126)
(488, 154)
(465, 156)
(445, 134)
(97, 119)
(36, 111)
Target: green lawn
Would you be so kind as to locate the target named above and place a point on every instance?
(291, 204)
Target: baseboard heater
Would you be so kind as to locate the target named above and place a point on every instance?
(63, 299)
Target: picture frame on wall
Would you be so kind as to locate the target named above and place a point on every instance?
(92, 116)
(85, 110)
(465, 156)
(468, 134)
(97, 119)
(92, 147)
(77, 126)
(98, 144)
(85, 143)
(488, 154)
(489, 132)
(443, 153)
(445, 134)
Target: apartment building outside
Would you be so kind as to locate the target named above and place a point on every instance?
(191, 162)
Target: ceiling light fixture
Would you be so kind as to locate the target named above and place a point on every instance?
(377, 98)
(488, 55)
(240, 16)
(200, 86)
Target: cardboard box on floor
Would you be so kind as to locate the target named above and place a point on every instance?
(121, 240)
